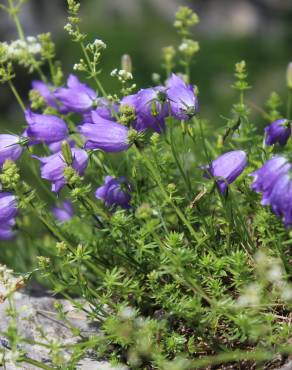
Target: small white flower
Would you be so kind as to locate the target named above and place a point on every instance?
(99, 43)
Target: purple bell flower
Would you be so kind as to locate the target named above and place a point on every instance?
(9, 148)
(115, 192)
(278, 131)
(45, 128)
(281, 198)
(65, 212)
(76, 97)
(52, 167)
(46, 92)
(266, 177)
(182, 99)
(6, 230)
(105, 135)
(151, 108)
(8, 212)
(226, 168)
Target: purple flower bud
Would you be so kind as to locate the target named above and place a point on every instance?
(278, 131)
(115, 192)
(182, 99)
(77, 97)
(9, 148)
(226, 168)
(46, 92)
(65, 212)
(45, 128)
(52, 167)
(8, 211)
(105, 135)
(266, 177)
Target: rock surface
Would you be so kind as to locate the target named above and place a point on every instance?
(39, 312)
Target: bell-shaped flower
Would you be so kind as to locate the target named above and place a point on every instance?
(266, 177)
(115, 192)
(281, 198)
(64, 212)
(9, 148)
(278, 132)
(76, 97)
(181, 97)
(45, 128)
(52, 167)
(8, 212)
(226, 168)
(106, 135)
(150, 108)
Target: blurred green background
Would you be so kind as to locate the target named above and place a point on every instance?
(259, 31)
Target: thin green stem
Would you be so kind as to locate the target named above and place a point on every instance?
(17, 96)
(179, 166)
(36, 363)
(156, 177)
(98, 83)
(13, 12)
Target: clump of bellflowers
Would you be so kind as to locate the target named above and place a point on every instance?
(142, 213)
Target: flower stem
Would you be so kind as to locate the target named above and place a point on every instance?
(36, 363)
(17, 96)
(13, 12)
(179, 213)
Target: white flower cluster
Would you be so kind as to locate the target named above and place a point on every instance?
(99, 43)
(8, 282)
(18, 48)
(270, 274)
(122, 75)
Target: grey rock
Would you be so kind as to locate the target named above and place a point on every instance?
(38, 321)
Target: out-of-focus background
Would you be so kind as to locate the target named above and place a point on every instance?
(259, 31)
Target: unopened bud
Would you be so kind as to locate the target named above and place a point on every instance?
(289, 75)
(67, 154)
(126, 63)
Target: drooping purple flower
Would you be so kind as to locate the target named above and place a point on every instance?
(105, 135)
(8, 207)
(150, 107)
(182, 99)
(45, 128)
(6, 230)
(8, 212)
(226, 168)
(52, 167)
(281, 198)
(46, 91)
(65, 212)
(115, 192)
(76, 97)
(278, 131)
(9, 148)
(266, 177)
